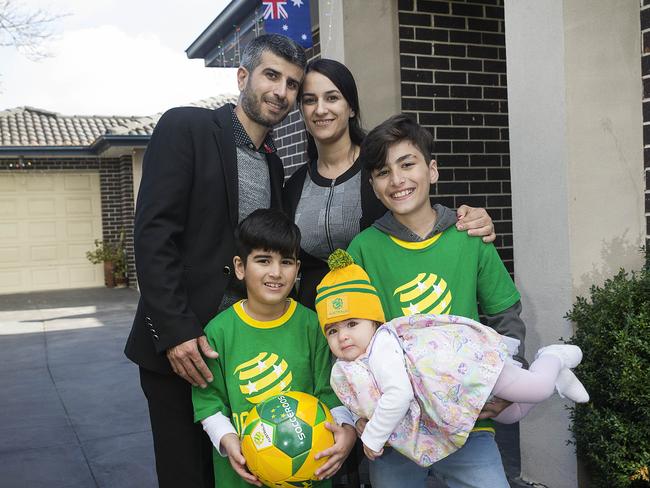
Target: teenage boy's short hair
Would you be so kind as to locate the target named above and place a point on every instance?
(270, 230)
(279, 45)
(391, 131)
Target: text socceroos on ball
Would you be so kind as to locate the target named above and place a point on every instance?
(292, 417)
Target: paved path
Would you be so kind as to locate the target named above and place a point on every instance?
(72, 414)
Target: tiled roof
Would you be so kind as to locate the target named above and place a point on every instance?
(145, 125)
(28, 126)
(214, 102)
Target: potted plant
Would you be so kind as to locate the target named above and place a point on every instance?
(113, 256)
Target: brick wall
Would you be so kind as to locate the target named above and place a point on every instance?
(453, 79)
(127, 212)
(116, 187)
(290, 134)
(645, 73)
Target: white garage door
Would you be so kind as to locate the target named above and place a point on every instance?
(47, 223)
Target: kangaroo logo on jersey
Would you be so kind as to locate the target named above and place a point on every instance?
(426, 293)
(263, 376)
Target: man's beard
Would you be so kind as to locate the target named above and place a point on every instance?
(253, 109)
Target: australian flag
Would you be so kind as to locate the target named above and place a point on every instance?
(290, 18)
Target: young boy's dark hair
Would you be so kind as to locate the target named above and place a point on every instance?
(267, 229)
(393, 130)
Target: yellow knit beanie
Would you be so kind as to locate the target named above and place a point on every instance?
(346, 293)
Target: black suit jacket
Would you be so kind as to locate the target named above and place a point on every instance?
(186, 213)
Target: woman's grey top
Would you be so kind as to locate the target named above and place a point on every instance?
(329, 211)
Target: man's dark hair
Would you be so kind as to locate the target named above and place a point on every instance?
(270, 230)
(279, 45)
(391, 131)
(343, 80)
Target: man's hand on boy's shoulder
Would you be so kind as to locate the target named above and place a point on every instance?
(232, 445)
(186, 361)
(344, 438)
(476, 221)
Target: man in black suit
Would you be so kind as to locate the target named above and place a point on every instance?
(203, 171)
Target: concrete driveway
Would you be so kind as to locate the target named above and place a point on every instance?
(73, 414)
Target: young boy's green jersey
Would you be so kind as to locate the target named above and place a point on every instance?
(258, 360)
(446, 274)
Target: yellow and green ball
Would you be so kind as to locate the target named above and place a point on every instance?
(282, 435)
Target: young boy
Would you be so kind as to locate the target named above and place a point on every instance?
(420, 263)
(267, 344)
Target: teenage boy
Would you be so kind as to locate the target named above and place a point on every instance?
(420, 263)
(268, 344)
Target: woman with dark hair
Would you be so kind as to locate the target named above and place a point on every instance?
(330, 197)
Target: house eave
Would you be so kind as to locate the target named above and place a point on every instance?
(44, 151)
(108, 143)
(103, 146)
(233, 14)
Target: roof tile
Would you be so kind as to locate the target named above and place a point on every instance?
(29, 126)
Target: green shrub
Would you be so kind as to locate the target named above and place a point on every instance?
(612, 431)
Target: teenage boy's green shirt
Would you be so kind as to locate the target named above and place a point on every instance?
(446, 274)
(258, 360)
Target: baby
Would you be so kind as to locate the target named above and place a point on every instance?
(423, 379)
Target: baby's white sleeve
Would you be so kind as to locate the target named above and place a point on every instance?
(387, 366)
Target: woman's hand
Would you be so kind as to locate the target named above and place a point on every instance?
(370, 454)
(232, 445)
(476, 221)
(344, 438)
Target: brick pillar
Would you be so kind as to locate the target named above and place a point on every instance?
(116, 182)
(127, 214)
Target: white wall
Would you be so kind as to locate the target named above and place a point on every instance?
(605, 131)
(574, 94)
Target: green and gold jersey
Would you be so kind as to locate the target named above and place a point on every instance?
(446, 274)
(258, 360)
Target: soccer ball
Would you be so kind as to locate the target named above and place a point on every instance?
(281, 436)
